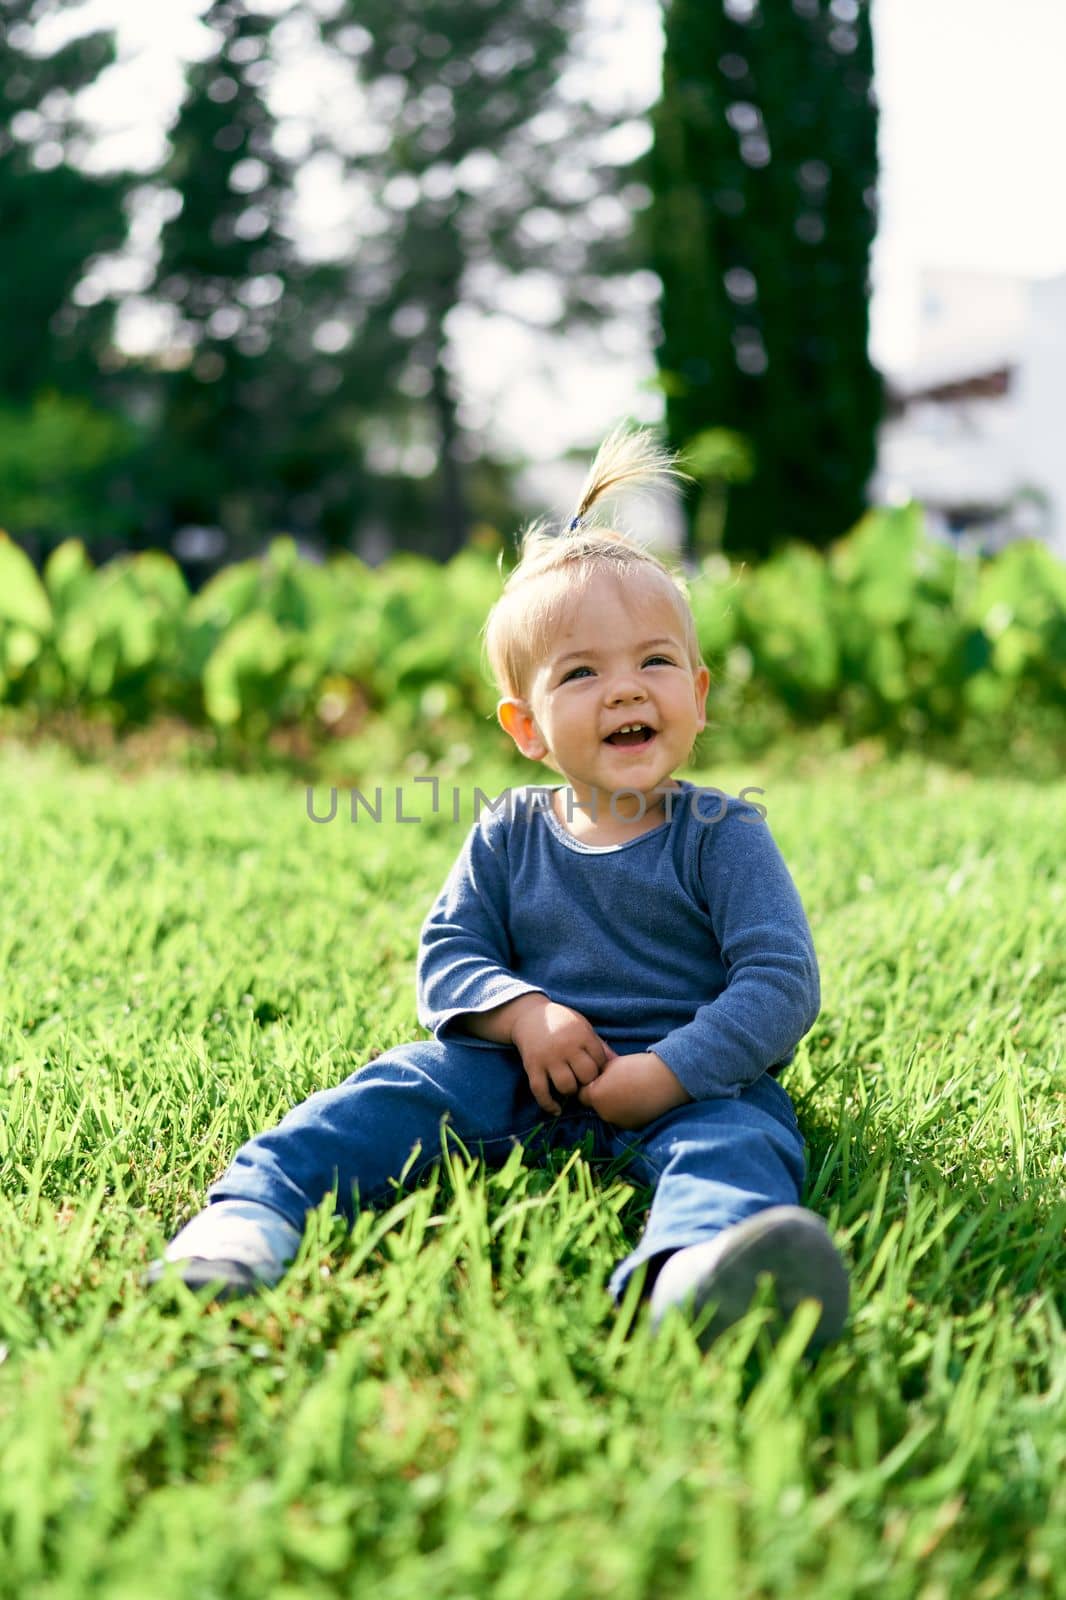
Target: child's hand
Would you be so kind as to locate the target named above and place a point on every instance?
(634, 1090)
(560, 1049)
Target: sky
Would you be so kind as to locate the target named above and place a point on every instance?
(972, 138)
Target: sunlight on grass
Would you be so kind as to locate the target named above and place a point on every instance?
(445, 1401)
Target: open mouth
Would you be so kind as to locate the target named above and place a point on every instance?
(633, 735)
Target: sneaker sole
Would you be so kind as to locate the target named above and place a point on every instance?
(793, 1246)
(227, 1280)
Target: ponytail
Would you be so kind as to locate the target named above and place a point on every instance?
(552, 563)
(623, 462)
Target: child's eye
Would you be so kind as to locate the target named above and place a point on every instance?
(573, 673)
(664, 660)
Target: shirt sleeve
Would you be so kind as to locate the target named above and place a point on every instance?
(773, 993)
(465, 955)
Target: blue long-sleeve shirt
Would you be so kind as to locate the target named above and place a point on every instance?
(689, 940)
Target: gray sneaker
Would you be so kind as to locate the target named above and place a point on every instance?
(792, 1245)
(233, 1247)
(226, 1280)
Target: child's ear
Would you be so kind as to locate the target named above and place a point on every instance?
(702, 683)
(516, 718)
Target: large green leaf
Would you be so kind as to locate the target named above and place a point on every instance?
(785, 611)
(22, 595)
(878, 563)
(244, 669)
(227, 597)
(18, 648)
(68, 575)
(118, 624)
(1025, 583)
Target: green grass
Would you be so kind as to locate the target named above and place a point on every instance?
(445, 1403)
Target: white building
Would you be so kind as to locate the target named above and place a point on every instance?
(974, 428)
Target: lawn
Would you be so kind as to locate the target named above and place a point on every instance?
(445, 1403)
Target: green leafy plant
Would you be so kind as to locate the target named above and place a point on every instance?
(888, 634)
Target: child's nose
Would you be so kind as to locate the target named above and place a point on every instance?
(625, 687)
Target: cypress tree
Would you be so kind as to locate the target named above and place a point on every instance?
(764, 168)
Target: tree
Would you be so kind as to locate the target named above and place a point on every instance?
(763, 168)
(61, 452)
(234, 394)
(476, 169)
(56, 217)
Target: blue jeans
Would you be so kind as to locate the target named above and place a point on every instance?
(710, 1162)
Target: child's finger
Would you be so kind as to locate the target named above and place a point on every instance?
(585, 1067)
(542, 1092)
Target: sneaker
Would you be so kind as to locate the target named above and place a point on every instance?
(234, 1248)
(789, 1243)
(227, 1280)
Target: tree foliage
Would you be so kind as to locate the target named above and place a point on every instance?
(243, 431)
(764, 169)
(56, 217)
(61, 454)
(322, 394)
(476, 170)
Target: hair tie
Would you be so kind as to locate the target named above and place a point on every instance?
(575, 522)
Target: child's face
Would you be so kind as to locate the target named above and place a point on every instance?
(619, 659)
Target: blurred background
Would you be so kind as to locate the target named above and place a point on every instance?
(306, 307)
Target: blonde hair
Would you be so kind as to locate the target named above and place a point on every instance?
(554, 566)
